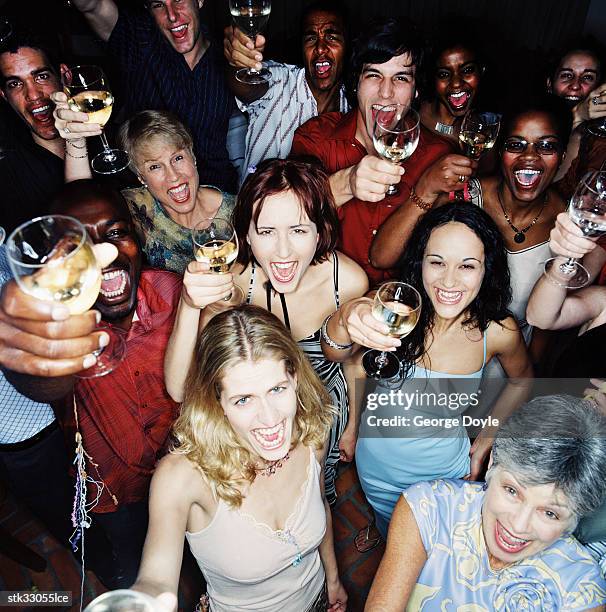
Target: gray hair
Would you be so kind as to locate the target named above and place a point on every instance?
(560, 440)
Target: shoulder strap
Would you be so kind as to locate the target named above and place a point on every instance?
(251, 284)
(335, 275)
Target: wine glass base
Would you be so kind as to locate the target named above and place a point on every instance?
(110, 162)
(253, 77)
(557, 273)
(389, 370)
(598, 130)
(109, 357)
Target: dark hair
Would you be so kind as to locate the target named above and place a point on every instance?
(308, 181)
(328, 6)
(22, 37)
(383, 39)
(555, 108)
(578, 45)
(492, 301)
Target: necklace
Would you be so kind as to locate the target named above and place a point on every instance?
(444, 128)
(272, 466)
(520, 234)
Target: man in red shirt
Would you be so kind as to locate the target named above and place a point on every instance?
(125, 417)
(385, 61)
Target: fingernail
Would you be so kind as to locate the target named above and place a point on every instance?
(103, 340)
(89, 361)
(97, 316)
(258, 57)
(60, 313)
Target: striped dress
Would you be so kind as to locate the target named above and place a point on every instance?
(329, 372)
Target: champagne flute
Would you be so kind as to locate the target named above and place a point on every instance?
(88, 92)
(395, 135)
(216, 244)
(588, 211)
(251, 17)
(52, 259)
(478, 133)
(399, 305)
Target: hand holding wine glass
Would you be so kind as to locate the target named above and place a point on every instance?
(88, 91)
(251, 16)
(596, 109)
(395, 135)
(398, 305)
(587, 210)
(479, 132)
(53, 260)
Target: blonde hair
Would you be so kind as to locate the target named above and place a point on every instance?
(148, 124)
(204, 435)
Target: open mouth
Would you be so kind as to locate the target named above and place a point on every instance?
(507, 541)
(113, 283)
(42, 114)
(284, 272)
(179, 32)
(322, 69)
(270, 438)
(459, 99)
(448, 297)
(527, 177)
(180, 193)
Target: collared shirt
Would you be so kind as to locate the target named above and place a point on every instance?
(125, 417)
(155, 76)
(331, 138)
(274, 118)
(20, 417)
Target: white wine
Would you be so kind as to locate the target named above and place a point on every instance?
(400, 318)
(218, 254)
(251, 20)
(475, 143)
(69, 277)
(395, 152)
(591, 224)
(97, 104)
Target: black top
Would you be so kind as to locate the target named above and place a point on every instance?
(584, 357)
(29, 176)
(156, 77)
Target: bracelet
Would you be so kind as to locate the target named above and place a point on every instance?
(75, 156)
(73, 144)
(329, 340)
(420, 203)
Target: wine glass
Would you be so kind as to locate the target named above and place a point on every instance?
(216, 244)
(395, 135)
(479, 132)
(123, 600)
(251, 17)
(52, 259)
(6, 29)
(398, 305)
(588, 211)
(88, 92)
(597, 127)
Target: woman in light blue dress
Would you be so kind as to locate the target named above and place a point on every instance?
(456, 260)
(507, 545)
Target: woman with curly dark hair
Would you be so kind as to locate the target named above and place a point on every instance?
(456, 260)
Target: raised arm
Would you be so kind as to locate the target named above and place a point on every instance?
(241, 52)
(101, 15)
(441, 177)
(401, 565)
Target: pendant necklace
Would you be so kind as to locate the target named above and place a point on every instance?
(520, 234)
(272, 466)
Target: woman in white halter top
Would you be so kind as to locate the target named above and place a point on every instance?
(243, 481)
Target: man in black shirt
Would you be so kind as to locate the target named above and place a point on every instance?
(31, 155)
(169, 63)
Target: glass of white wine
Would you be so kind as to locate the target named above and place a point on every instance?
(395, 135)
(251, 17)
(587, 209)
(479, 132)
(52, 259)
(398, 305)
(216, 244)
(88, 92)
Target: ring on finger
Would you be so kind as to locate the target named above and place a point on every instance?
(462, 178)
(66, 129)
(595, 100)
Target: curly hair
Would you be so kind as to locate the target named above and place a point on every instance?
(308, 181)
(491, 303)
(204, 435)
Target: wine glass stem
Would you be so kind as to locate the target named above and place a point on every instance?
(106, 146)
(568, 267)
(381, 360)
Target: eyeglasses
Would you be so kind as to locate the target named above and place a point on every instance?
(542, 147)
